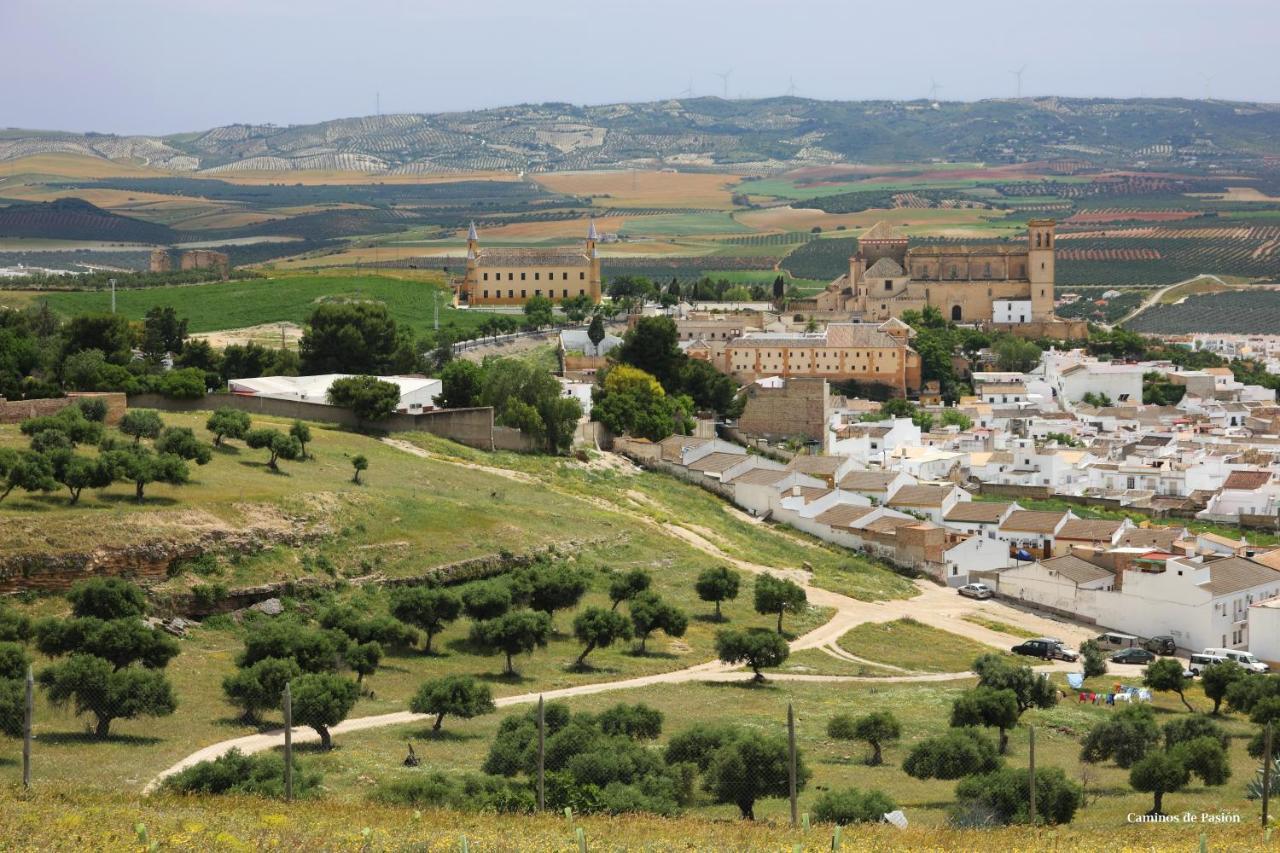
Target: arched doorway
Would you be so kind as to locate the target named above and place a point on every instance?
(955, 313)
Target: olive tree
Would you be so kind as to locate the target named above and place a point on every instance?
(459, 695)
(985, 706)
(875, 729)
(1167, 674)
(757, 648)
(227, 422)
(426, 608)
(750, 767)
(322, 700)
(650, 613)
(596, 628)
(520, 631)
(277, 444)
(717, 584)
(777, 595)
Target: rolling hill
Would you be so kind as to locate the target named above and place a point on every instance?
(76, 219)
(706, 133)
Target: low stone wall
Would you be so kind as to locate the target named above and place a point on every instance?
(472, 427)
(1002, 490)
(1260, 522)
(16, 411)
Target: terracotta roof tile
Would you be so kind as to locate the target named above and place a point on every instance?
(1032, 521)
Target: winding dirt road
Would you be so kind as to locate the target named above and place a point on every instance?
(936, 606)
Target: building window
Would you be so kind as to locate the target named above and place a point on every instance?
(888, 285)
(510, 276)
(486, 294)
(522, 275)
(955, 313)
(566, 292)
(581, 276)
(537, 276)
(523, 294)
(510, 294)
(486, 276)
(537, 292)
(564, 276)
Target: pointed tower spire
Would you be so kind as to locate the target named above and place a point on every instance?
(591, 230)
(471, 232)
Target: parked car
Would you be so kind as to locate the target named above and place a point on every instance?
(976, 590)
(1135, 655)
(1037, 649)
(1247, 661)
(1161, 644)
(1113, 640)
(1197, 664)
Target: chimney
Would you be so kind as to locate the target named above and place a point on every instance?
(795, 491)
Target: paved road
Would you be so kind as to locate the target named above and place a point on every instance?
(934, 605)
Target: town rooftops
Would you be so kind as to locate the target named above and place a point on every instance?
(1089, 529)
(760, 477)
(673, 446)
(1004, 388)
(925, 495)
(523, 257)
(1234, 574)
(843, 515)
(1076, 570)
(882, 232)
(1151, 537)
(1034, 521)
(885, 268)
(820, 466)
(714, 463)
(867, 481)
(1247, 481)
(976, 512)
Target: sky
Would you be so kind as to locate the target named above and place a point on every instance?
(168, 66)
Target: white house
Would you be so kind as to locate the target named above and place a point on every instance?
(928, 499)
(974, 554)
(1065, 584)
(870, 442)
(1264, 630)
(1244, 493)
(417, 393)
(982, 518)
(1075, 374)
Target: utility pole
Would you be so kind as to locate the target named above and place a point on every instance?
(436, 293)
(113, 296)
(791, 765)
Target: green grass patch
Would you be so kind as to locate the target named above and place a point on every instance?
(999, 627)
(912, 645)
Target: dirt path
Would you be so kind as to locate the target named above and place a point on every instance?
(936, 606)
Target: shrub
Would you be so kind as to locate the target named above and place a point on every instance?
(954, 755)
(465, 792)
(852, 805)
(1125, 736)
(749, 767)
(1004, 797)
(236, 773)
(876, 729)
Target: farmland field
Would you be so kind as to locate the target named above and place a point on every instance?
(645, 188)
(232, 305)
(1253, 310)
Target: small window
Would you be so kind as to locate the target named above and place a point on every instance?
(510, 276)
(511, 294)
(888, 285)
(524, 294)
(486, 276)
(581, 276)
(537, 276)
(564, 276)
(566, 292)
(486, 294)
(522, 275)
(537, 292)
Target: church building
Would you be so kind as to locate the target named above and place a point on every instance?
(980, 284)
(512, 276)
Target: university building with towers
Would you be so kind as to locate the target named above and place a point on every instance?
(513, 276)
(995, 284)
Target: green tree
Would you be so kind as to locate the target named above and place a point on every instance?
(120, 642)
(1016, 354)
(322, 700)
(598, 628)
(875, 729)
(954, 755)
(359, 337)
(302, 433)
(461, 382)
(92, 686)
(529, 399)
(632, 402)
(459, 695)
(717, 584)
(1125, 736)
(539, 311)
(1031, 689)
(162, 333)
(25, 470)
(259, 687)
(227, 422)
(1093, 659)
(142, 466)
(78, 472)
(106, 598)
(757, 648)
(426, 608)
(182, 443)
(1217, 680)
(553, 588)
(627, 585)
(359, 463)
(653, 345)
(277, 444)
(595, 332)
(370, 398)
(851, 805)
(108, 333)
(363, 658)
(1004, 796)
(512, 633)
(1159, 773)
(141, 423)
(635, 722)
(236, 773)
(1166, 674)
(957, 418)
(486, 600)
(984, 706)
(650, 613)
(778, 596)
(282, 638)
(69, 422)
(1185, 729)
(750, 767)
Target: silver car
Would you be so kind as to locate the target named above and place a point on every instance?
(976, 590)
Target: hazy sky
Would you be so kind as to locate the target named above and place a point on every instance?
(161, 66)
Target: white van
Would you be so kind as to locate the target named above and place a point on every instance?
(1113, 641)
(1197, 664)
(1245, 659)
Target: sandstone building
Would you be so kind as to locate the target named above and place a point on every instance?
(982, 284)
(512, 276)
(878, 353)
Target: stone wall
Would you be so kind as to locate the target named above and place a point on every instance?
(800, 408)
(472, 427)
(15, 411)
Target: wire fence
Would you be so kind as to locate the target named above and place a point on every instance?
(575, 760)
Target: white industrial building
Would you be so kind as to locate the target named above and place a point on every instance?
(417, 393)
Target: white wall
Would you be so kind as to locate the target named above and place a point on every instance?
(1011, 310)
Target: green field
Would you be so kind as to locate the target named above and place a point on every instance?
(234, 305)
(908, 644)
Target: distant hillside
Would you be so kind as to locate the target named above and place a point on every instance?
(75, 219)
(710, 133)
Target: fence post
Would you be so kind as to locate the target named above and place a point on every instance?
(542, 756)
(1266, 775)
(1031, 775)
(791, 764)
(28, 715)
(288, 744)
